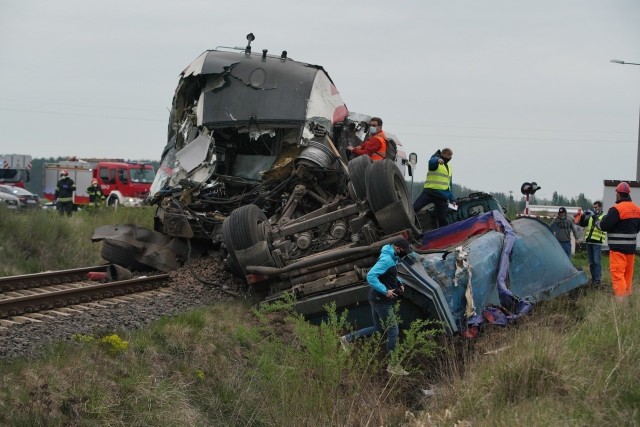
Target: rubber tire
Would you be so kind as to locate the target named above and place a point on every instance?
(358, 175)
(241, 230)
(245, 224)
(111, 201)
(231, 260)
(385, 186)
(124, 256)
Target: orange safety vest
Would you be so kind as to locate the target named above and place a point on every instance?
(382, 153)
(622, 236)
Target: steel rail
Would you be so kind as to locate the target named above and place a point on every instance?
(26, 281)
(61, 298)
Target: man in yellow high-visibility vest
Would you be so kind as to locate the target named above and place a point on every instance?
(437, 187)
(594, 237)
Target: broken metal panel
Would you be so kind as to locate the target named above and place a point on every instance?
(426, 294)
(195, 153)
(256, 90)
(213, 83)
(146, 246)
(325, 101)
(203, 173)
(195, 68)
(163, 174)
(470, 276)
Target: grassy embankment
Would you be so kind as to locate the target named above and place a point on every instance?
(574, 362)
(31, 242)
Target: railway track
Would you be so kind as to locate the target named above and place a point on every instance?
(35, 293)
(26, 281)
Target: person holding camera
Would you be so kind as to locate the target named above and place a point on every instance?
(384, 288)
(594, 238)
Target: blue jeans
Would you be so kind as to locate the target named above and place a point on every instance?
(383, 317)
(594, 256)
(566, 246)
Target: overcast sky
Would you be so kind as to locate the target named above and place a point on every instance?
(520, 90)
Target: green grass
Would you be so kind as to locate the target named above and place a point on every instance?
(32, 242)
(555, 369)
(225, 365)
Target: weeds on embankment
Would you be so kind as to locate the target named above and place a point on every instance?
(226, 365)
(574, 362)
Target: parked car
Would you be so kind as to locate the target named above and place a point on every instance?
(27, 199)
(9, 201)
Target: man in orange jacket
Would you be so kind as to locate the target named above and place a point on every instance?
(376, 145)
(622, 224)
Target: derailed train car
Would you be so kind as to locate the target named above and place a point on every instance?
(255, 129)
(256, 166)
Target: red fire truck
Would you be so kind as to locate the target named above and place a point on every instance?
(15, 169)
(125, 183)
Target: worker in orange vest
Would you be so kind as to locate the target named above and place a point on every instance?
(376, 145)
(622, 224)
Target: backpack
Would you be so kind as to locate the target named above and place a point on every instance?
(392, 150)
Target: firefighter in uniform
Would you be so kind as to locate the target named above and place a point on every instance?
(96, 196)
(594, 238)
(63, 197)
(376, 145)
(622, 224)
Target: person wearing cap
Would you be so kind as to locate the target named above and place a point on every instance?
(63, 198)
(438, 188)
(96, 196)
(376, 145)
(622, 224)
(594, 238)
(562, 227)
(384, 288)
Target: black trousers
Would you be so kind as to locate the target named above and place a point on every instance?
(441, 205)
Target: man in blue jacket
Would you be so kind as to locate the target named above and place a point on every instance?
(385, 286)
